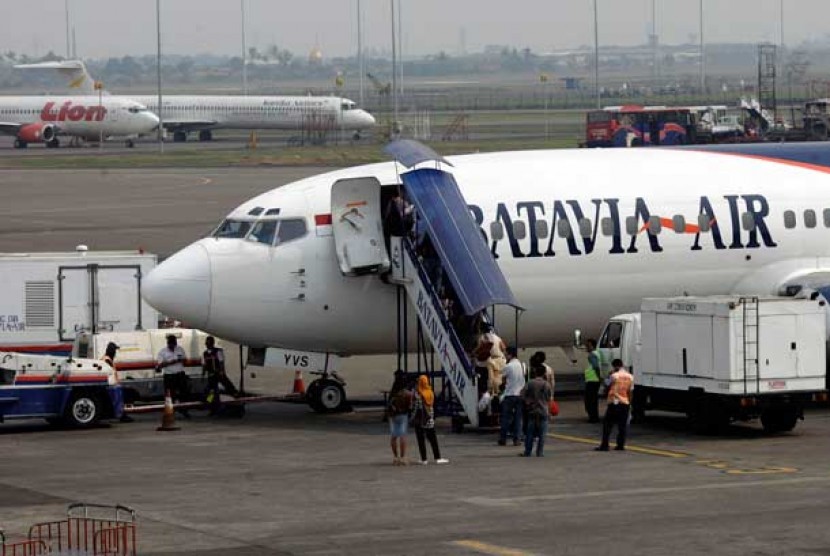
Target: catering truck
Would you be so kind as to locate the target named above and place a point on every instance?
(723, 358)
(47, 299)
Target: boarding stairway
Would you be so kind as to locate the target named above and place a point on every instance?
(475, 278)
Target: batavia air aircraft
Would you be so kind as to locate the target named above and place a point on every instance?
(570, 236)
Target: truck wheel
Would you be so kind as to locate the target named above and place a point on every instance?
(779, 420)
(83, 410)
(326, 396)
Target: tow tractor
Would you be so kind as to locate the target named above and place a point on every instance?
(76, 392)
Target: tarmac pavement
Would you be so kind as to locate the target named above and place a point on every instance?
(285, 481)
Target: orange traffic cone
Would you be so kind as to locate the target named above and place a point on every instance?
(168, 416)
(299, 385)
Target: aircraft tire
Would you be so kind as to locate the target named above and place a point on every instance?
(54, 143)
(129, 143)
(326, 396)
(18, 144)
(179, 136)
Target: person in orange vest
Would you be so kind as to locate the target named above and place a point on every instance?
(620, 387)
(109, 359)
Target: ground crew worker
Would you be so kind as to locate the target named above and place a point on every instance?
(109, 359)
(170, 361)
(620, 387)
(593, 375)
(213, 366)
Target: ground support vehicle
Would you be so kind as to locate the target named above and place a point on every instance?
(77, 392)
(723, 358)
(47, 299)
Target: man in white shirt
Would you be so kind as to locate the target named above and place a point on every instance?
(170, 361)
(511, 403)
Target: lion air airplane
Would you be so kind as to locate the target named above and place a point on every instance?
(183, 114)
(43, 119)
(579, 235)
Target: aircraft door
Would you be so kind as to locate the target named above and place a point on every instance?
(357, 226)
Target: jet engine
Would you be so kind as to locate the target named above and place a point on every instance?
(37, 133)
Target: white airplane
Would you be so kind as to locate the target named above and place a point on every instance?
(579, 235)
(43, 119)
(182, 114)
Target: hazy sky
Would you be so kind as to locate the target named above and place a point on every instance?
(118, 27)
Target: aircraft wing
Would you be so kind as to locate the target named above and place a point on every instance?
(189, 125)
(10, 128)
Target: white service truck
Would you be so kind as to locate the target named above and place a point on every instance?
(723, 358)
(46, 299)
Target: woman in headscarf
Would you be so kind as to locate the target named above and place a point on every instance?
(423, 418)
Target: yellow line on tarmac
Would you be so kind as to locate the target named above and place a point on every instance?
(637, 449)
(486, 548)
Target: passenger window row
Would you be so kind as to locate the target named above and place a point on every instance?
(809, 218)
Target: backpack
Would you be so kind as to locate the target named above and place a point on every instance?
(401, 403)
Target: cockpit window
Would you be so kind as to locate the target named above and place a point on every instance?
(290, 230)
(264, 231)
(256, 211)
(347, 106)
(136, 109)
(232, 229)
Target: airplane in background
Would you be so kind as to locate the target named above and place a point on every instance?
(182, 114)
(43, 119)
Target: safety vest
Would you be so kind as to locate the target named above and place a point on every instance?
(621, 383)
(591, 374)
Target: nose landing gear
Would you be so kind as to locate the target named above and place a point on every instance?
(327, 393)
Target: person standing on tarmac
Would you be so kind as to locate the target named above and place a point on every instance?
(400, 404)
(213, 366)
(511, 404)
(423, 418)
(170, 361)
(620, 387)
(109, 359)
(537, 397)
(593, 376)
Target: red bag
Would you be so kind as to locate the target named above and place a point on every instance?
(553, 407)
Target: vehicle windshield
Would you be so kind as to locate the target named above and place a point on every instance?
(232, 229)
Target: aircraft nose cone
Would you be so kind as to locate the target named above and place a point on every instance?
(180, 287)
(369, 119)
(152, 121)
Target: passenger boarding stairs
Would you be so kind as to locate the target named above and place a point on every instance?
(409, 272)
(471, 272)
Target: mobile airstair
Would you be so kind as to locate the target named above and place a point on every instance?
(459, 259)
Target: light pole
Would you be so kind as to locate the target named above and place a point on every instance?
(400, 45)
(100, 88)
(596, 56)
(394, 73)
(360, 67)
(66, 11)
(702, 54)
(244, 51)
(543, 77)
(158, 76)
